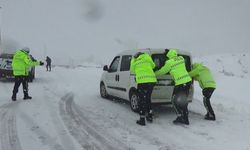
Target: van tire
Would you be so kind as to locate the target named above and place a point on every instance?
(103, 91)
(133, 97)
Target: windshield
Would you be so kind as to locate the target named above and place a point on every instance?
(9, 56)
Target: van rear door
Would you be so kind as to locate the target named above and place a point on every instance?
(163, 90)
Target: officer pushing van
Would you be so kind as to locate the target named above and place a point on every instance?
(142, 66)
(175, 65)
(206, 81)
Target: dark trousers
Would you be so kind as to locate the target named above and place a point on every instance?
(144, 91)
(48, 67)
(18, 81)
(207, 93)
(179, 99)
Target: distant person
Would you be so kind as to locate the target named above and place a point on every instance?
(175, 65)
(142, 66)
(20, 65)
(48, 63)
(204, 76)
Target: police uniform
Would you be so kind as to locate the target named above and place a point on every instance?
(20, 65)
(142, 66)
(206, 81)
(175, 65)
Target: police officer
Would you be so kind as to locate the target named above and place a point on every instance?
(20, 65)
(204, 76)
(175, 65)
(142, 66)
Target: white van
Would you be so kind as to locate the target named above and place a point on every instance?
(117, 81)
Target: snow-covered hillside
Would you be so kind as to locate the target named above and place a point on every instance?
(94, 30)
(66, 112)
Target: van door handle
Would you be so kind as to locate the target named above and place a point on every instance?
(118, 77)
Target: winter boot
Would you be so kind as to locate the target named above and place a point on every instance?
(181, 120)
(13, 97)
(141, 121)
(210, 116)
(26, 97)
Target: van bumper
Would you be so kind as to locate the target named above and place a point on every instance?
(6, 73)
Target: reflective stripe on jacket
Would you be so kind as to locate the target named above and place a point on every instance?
(176, 67)
(21, 63)
(143, 67)
(203, 75)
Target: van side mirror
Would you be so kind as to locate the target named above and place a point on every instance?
(105, 68)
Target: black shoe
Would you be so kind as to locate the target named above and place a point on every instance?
(181, 120)
(13, 98)
(209, 116)
(141, 122)
(149, 117)
(27, 97)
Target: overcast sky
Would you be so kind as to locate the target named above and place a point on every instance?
(96, 30)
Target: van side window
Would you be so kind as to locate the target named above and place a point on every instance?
(125, 63)
(114, 65)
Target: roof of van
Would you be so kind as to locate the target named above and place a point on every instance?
(151, 51)
(6, 55)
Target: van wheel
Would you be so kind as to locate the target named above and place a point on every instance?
(103, 91)
(134, 101)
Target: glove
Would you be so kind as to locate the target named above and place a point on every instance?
(41, 63)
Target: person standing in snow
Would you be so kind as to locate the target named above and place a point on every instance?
(48, 63)
(175, 65)
(203, 75)
(20, 65)
(142, 66)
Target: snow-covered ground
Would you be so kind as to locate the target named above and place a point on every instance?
(67, 113)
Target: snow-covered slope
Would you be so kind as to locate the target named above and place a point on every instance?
(66, 112)
(98, 29)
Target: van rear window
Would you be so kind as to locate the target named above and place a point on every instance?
(160, 59)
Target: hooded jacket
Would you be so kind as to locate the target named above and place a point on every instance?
(21, 63)
(175, 65)
(203, 75)
(142, 67)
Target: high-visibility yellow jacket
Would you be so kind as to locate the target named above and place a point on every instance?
(21, 63)
(203, 75)
(143, 67)
(175, 65)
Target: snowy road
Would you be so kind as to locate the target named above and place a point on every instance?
(84, 130)
(66, 112)
(8, 130)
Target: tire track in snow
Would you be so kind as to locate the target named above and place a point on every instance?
(85, 132)
(42, 134)
(65, 136)
(8, 131)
